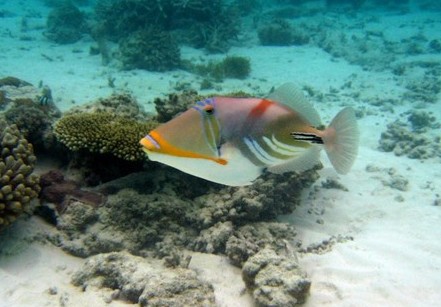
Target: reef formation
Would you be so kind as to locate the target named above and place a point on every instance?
(412, 138)
(18, 185)
(152, 220)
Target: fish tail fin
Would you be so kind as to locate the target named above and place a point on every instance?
(341, 140)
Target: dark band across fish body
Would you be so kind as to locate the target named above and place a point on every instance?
(307, 137)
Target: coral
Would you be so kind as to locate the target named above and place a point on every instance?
(152, 218)
(215, 34)
(121, 104)
(163, 212)
(275, 280)
(170, 209)
(3, 99)
(204, 26)
(262, 201)
(402, 140)
(425, 90)
(249, 239)
(34, 121)
(174, 104)
(65, 24)
(19, 186)
(280, 33)
(435, 45)
(13, 81)
(117, 19)
(23, 109)
(421, 121)
(236, 67)
(150, 49)
(77, 218)
(103, 132)
(213, 239)
(61, 192)
(144, 282)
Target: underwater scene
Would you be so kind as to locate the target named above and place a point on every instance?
(220, 153)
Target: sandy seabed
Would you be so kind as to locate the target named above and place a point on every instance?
(387, 249)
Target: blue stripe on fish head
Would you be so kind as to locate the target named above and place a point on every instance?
(210, 125)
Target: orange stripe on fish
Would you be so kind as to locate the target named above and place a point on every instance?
(164, 147)
(258, 110)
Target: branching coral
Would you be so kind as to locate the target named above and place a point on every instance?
(18, 184)
(103, 133)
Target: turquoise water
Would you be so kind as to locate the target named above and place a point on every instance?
(81, 82)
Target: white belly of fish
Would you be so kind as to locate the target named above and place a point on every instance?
(239, 171)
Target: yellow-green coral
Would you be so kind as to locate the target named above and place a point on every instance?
(103, 132)
(18, 184)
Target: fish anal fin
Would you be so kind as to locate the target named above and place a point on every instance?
(306, 161)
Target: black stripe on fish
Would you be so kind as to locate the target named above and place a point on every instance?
(307, 137)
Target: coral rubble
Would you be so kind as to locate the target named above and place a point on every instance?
(412, 138)
(275, 280)
(144, 282)
(163, 212)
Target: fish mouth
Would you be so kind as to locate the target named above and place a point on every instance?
(149, 143)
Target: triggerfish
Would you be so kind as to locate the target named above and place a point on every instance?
(234, 140)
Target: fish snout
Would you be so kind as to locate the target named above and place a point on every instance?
(149, 144)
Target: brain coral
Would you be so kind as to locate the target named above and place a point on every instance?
(103, 132)
(18, 186)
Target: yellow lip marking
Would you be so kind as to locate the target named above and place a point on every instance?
(168, 149)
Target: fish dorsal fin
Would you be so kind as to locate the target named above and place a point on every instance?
(306, 161)
(290, 95)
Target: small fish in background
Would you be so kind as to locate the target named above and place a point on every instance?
(46, 96)
(232, 141)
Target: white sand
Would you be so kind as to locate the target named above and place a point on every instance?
(394, 258)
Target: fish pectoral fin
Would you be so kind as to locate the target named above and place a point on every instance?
(306, 161)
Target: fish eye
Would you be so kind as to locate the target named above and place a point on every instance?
(209, 110)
